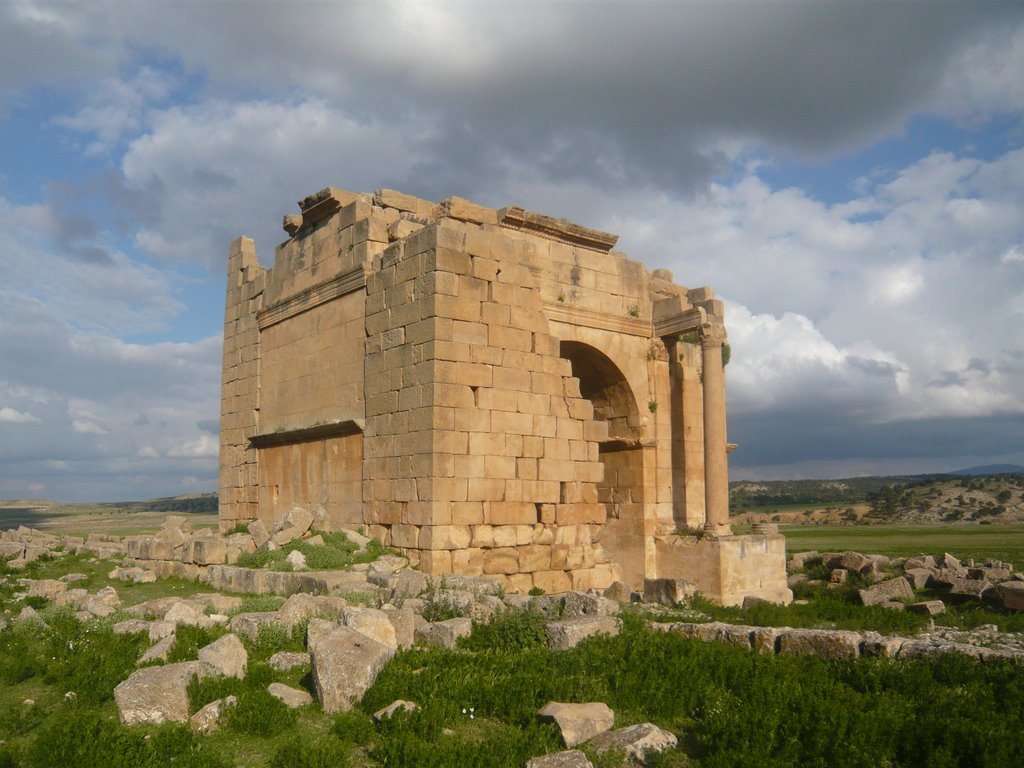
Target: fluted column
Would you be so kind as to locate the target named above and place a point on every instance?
(716, 463)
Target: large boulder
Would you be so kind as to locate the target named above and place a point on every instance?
(636, 741)
(154, 695)
(578, 722)
(345, 664)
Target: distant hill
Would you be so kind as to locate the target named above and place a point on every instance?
(990, 469)
(945, 498)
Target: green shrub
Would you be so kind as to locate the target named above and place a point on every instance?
(260, 714)
(188, 641)
(87, 739)
(354, 727)
(441, 606)
(508, 630)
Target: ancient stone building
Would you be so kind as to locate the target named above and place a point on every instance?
(489, 391)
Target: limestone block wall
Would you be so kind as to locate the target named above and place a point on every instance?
(481, 455)
(490, 391)
(239, 421)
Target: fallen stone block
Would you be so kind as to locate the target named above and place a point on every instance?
(283, 660)
(130, 626)
(849, 561)
(969, 589)
(876, 645)
(570, 758)
(928, 607)
(886, 591)
(159, 651)
(824, 643)
(293, 698)
(373, 623)
(566, 634)
(619, 591)
(187, 614)
(225, 656)
(636, 741)
(578, 722)
(345, 664)
(260, 534)
(444, 633)
(800, 559)
(249, 624)
(670, 592)
(207, 720)
(154, 695)
(398, 704)
(1011, 595)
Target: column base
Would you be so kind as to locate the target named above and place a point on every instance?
(727, 568)
(714, 530)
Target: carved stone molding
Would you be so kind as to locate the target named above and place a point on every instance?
(312, 297)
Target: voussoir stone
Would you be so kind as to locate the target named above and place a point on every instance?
(226, 656)
(578, 722)
(345, 664)
(155, 695)
(637, 741)
(570, 758)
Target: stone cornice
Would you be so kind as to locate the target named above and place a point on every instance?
(514, 217)
(312, 297)
(687, 320)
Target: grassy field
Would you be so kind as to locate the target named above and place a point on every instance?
(83, 519)
(981, 542)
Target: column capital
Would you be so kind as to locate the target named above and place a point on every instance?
(712, 335)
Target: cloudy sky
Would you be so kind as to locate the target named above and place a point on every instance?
(847, 175)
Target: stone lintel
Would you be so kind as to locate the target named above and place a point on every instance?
(514, 217)
(306, 434)
(318, 206)
(312, 297)
(688, 320)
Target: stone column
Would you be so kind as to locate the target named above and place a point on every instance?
(716, 467)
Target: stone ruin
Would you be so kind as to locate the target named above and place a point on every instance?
(488, 391)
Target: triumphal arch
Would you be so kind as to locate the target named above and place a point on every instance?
(490, 391)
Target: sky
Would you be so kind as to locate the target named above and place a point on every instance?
(847, 175)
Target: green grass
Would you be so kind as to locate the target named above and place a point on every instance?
(981, 542)
(337, 553)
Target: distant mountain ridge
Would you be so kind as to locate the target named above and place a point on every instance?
(989, 469)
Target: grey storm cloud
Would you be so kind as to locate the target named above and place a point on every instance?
(783, 437)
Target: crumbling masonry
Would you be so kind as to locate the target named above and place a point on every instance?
(488, 391)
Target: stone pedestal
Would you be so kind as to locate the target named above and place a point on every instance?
(728, 568)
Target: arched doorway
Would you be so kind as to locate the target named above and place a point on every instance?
(622, 490)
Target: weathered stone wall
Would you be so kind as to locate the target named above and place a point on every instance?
(490, 391)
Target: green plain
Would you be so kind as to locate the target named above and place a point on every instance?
(981, 542)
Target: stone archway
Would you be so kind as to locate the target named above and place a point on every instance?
(622, 489)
